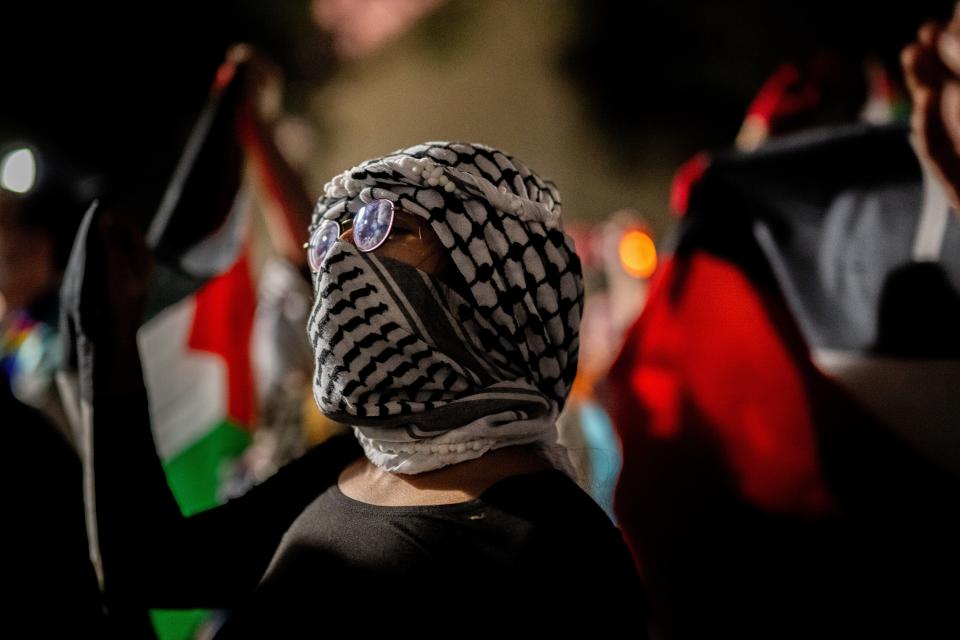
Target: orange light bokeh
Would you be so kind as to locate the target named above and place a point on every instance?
(638, 254)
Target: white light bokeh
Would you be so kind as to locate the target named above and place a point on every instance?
(18, 171)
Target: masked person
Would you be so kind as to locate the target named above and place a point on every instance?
(445, 331)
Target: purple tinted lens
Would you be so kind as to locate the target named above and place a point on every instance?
(321, 241)
(372, 224)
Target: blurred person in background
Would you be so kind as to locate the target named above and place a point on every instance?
(37, 224)
(55, 587)
(787, 399)
(618, 257)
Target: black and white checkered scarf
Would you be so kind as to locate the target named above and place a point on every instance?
(429, 376)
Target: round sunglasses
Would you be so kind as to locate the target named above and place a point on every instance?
(371, 228)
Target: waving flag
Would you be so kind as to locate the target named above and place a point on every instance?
(763, 492)
(195, 346)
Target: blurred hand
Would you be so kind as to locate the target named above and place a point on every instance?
(932, 69)
(283, 198)
(262, 82)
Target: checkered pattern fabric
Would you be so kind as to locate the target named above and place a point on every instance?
(428, 375)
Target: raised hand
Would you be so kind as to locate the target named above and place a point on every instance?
(932, 69)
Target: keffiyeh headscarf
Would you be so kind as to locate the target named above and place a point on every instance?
(427, 374)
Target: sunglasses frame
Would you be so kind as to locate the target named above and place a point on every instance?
(339, 231)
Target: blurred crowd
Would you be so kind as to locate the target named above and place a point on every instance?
(765, 403)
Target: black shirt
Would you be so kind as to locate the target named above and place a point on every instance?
(529, 546)
(295, 554)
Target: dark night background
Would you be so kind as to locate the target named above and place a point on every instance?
(113, 89)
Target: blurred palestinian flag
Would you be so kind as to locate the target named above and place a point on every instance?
(787, 399)
(195, 344)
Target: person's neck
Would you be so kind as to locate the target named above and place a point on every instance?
(365, 482)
